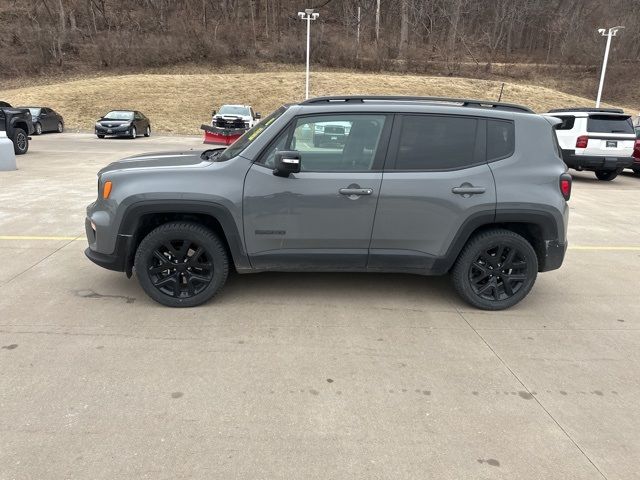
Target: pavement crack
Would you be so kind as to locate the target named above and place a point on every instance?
(43, 259)
(529, 396)
(98, 335)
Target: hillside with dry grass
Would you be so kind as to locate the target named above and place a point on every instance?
(180, 103)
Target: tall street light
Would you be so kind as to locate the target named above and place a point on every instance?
(605, 33)
(308, 15)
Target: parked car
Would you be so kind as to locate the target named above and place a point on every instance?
(477, 189)
(18, 125)
(45, 119)
(123, 123)
(600, 140)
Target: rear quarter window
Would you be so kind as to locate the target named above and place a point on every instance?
(609, 124)
(501, 139)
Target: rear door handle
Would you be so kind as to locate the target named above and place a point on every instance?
(466, 189)
(356, 191)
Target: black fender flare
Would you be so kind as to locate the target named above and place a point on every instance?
(134, 212)
(545, 220)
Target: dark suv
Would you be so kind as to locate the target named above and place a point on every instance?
(18, 125)
(420, 185)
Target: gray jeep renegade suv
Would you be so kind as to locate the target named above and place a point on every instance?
(418, 185)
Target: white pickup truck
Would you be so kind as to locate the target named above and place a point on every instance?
(235, 116)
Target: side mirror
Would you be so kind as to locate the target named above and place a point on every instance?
(213, 113)
(286, 163)
(258, 116)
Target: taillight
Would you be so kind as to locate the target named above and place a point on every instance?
(582, 141)
(636, 149)
(565, 185)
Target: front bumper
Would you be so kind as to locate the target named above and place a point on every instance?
(120, 260)
(589, 162)
(115, 131)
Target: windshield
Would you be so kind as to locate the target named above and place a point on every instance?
(249, 136)
(34, 112)
(119, 115)
(234, 110)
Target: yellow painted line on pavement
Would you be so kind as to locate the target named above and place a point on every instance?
(612, 248)
(37, 237)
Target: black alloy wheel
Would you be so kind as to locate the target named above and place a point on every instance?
(495, 270)
(498, 272)
(180, 268)
(181, 264)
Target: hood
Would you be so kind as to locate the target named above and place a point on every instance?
(16, 110)
(232, 117)
(190, 159)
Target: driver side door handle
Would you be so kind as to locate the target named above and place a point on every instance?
(356, 191)
(467, 189)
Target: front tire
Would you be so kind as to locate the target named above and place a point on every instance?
(100, 136)
(147, 132)
(38, 128)
(20, 141)
(607, 175)
(495, 270)
(181, 264)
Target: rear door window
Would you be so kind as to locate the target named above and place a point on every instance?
(609, 124)
(437, 142)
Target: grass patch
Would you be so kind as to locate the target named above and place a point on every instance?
(180, 103)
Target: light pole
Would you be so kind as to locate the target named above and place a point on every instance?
(605, 33)
(308, 15)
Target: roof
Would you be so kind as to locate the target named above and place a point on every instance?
(440, 101)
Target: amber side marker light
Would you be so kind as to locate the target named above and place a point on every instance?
(106, 190)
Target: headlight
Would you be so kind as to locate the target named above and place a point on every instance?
(98, 125)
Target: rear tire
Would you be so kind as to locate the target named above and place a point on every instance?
(37, 128)
(636, 172)
(60, 128)
(607, 175)
(495, 270)
(134, 132)
(181, 264)
(20, 141)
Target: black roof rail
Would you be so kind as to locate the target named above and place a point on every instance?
(586, 109)
(460, 102)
